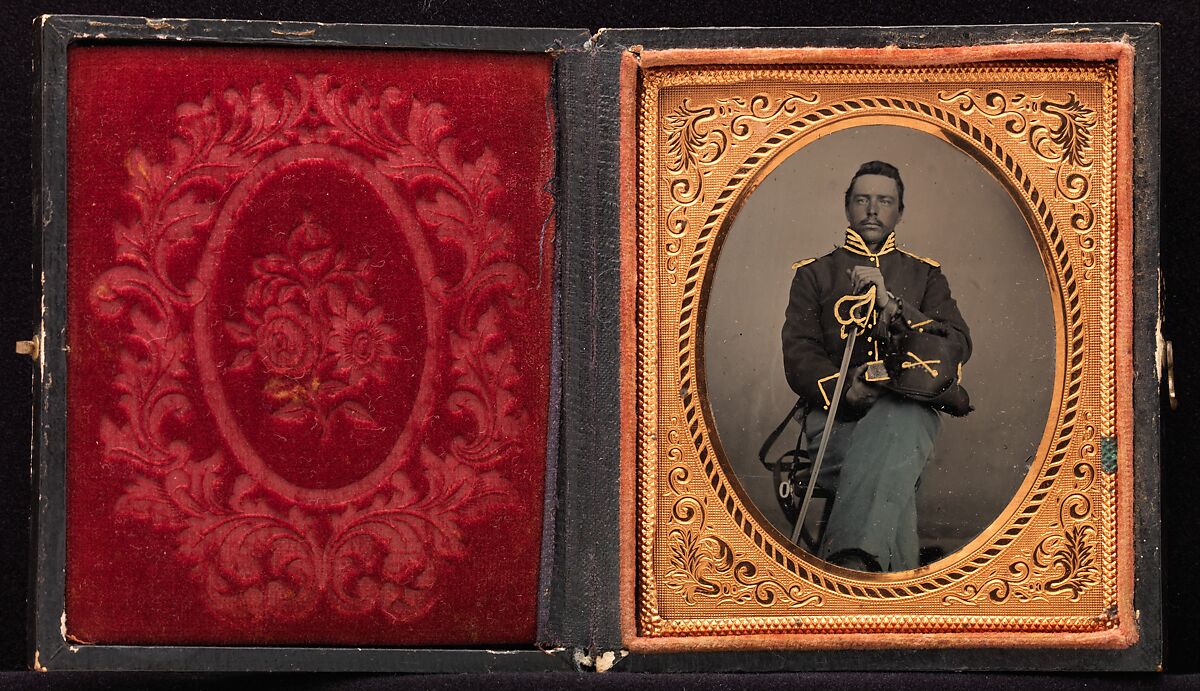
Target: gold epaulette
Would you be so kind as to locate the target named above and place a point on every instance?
(927, 260)
(803, 262)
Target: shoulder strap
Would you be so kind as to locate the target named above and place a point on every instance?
(927, 260)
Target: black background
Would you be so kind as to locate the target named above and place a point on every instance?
(1180, 219)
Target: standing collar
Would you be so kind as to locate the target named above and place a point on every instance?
(855, 244)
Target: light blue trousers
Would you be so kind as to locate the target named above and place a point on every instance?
(874, 465)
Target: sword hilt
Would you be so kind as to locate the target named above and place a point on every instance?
(856, 310)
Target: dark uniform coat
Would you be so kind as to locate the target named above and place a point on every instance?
(812, 337)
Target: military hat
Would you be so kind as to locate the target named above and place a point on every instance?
(926, 366)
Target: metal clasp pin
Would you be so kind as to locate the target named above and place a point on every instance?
(29, 347)
(1169, 366)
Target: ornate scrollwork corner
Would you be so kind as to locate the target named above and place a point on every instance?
(698, 136)
(1072, 555)
(1074, 187)
(691, 141)
(1060, 133)
(687, 143)
(706, 567)
(1062, 563)
(675, 454)
(761, 110)
(1057, 131)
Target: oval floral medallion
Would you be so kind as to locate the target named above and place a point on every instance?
(314, 341)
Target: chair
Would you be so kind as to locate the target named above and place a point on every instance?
(791, 472)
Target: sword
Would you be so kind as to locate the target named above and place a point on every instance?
(858, 313)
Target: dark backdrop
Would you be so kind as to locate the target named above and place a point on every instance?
(1181, 175)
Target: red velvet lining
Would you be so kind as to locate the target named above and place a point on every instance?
(309, 331)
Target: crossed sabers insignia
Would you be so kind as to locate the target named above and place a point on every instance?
(918, 362)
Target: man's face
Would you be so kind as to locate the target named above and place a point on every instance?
(874, 208)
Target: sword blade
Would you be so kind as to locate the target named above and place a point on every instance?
(833, 406)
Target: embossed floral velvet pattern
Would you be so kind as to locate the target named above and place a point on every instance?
(309, 330)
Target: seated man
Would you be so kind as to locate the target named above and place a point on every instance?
(880, 439)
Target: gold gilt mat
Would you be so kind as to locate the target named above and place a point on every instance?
(1048, 570)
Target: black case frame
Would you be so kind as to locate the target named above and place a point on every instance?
(580, 607)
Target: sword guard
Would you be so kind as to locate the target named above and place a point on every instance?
(856, 310)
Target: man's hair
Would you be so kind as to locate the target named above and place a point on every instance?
(878, 168)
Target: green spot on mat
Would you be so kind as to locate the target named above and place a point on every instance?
(1108, 454)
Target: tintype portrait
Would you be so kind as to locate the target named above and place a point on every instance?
(828, 258)
(934, 281)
